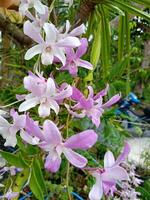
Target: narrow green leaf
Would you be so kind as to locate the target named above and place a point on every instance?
(118, 69)
(15, 160)
(130, 9)
(35, 185)
(39, 175)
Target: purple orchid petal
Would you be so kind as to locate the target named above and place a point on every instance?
(83, 140)
(33, 140)
(123, 155)
(115, 174)
(74, 158)
(102, 93)
(51, 133)
(76, 95)
(112, 101)
(85, 64)
(91, 92)
(33, 129)
(53, 161)
(82, 48)
(86, 103)
(70, 53)
(109, 159)
(51, 32)
(96, 192)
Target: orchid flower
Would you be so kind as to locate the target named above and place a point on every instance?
(10, 195)
(51, 141)
(52, 46)
(43, 92)
(92, 106)
(26, 4)
(107, 178)
(39, 20)
(79, 30)
(12, 169)
(73, 59)
(8, 131)
(54, 145)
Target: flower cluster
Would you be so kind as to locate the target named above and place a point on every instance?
(53, 45)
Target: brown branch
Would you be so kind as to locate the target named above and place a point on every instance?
(12, 31)
(85, 10)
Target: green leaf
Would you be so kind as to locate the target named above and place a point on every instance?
(119, 68)
(130, 9)
(39, 175)
(35, 185)
(15, 160)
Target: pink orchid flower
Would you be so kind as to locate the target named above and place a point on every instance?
(73, 59)
(107, 178)
(51, 141)
(54, 145)
(26, 4)
(52, 46)
(8, 131)
(9, 195)
(43, 92)
(92, 106)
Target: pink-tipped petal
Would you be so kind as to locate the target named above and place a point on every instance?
(112, 101)
(123, 155)
(83, 140)
(53, 161)
(51, 133)
(109, 159)
(32, 32)
(74, 158)
(116, 173)
(78, 30)
(85, 64)
(102, 93)
(33, 129)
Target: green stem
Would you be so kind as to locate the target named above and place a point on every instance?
(68, 164)
(127, 52)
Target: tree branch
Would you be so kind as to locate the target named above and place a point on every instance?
(12, 31)
(86, 8)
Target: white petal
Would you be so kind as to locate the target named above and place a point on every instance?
(44, 110)
(51, 88)
(54, 105)
(69, 42)
(37, 49)
(47, 58)
(109, 159)
(59, 53)
(96, 192)
(51, 32)
(39, 7)
(4, 122)
(30, 103)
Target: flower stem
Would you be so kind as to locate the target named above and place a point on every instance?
(68, 164)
